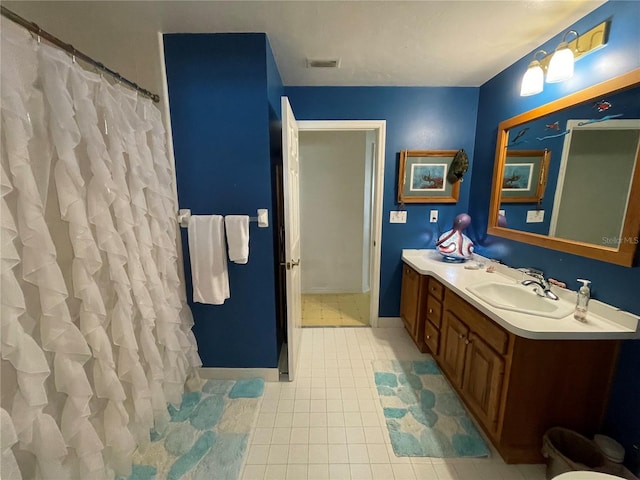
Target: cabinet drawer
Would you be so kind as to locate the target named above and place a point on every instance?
(434, 311)
(494, 335)
(431, 337)
(409, 272)
(436, 289)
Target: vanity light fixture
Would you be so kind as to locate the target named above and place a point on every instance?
(559, 66)
(533, 80)
(562, 60)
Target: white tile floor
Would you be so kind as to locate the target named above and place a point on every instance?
(328, 423)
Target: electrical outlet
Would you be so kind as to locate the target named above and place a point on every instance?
(433, 216)
(535, 216)
(502, 212)
(398, 216)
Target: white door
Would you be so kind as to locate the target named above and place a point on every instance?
(290, 185)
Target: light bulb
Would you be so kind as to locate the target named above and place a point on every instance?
(561, 64)
(533, 80)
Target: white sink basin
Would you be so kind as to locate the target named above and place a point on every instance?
(519, 298)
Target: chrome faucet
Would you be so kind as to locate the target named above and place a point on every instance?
(540, 281)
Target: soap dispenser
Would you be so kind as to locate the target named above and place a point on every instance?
(582, 303)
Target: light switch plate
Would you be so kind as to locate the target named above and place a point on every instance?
(535, 216)
(433, 216)
(502, 212)
(398, 216)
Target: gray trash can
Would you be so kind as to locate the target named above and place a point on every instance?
(567, 451)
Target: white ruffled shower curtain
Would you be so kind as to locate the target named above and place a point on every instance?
(96, 334)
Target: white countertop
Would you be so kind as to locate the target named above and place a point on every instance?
(603, 321)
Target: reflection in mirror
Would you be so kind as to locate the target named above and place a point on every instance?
(524, 176)
(584, 149)
(595, 180)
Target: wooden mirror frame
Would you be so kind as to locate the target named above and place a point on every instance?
(624, 253)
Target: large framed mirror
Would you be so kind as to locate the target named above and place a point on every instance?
(587, 197)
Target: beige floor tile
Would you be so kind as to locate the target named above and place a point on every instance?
(351, 321)
(340, 309)
(315, 322)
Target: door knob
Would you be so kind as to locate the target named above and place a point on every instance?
(291, 264)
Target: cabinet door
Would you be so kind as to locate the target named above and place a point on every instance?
(409, 298)
(482, 381)
(452, 350)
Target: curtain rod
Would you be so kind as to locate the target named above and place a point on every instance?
(35, 28)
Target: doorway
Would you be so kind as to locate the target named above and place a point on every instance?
(341, 175)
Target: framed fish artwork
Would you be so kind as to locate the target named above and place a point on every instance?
(524, 176)
(422, 177)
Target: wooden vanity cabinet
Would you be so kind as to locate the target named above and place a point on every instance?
(515, 388)
(550, 383)
(412, 305)
(473, 357)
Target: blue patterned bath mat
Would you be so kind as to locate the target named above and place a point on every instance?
(207, 436)
(424, 416)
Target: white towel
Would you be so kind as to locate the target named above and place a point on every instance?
(237, 227)
(207, 250)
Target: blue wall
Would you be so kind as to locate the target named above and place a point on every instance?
(500, 99)
(220, 120)
(430, 118)
(275, 90)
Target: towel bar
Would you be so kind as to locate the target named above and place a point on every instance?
(184, 214)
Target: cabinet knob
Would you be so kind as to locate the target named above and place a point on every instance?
(428, 337)
(431, 310)
(461, 336)
(467, 341)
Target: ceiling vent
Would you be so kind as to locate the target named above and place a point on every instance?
(323, 63)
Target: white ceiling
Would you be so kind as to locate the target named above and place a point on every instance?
(408, 43)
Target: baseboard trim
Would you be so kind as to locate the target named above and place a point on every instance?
(267, 374)
(387, 322)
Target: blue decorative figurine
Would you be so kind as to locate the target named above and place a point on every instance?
(453, 245)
